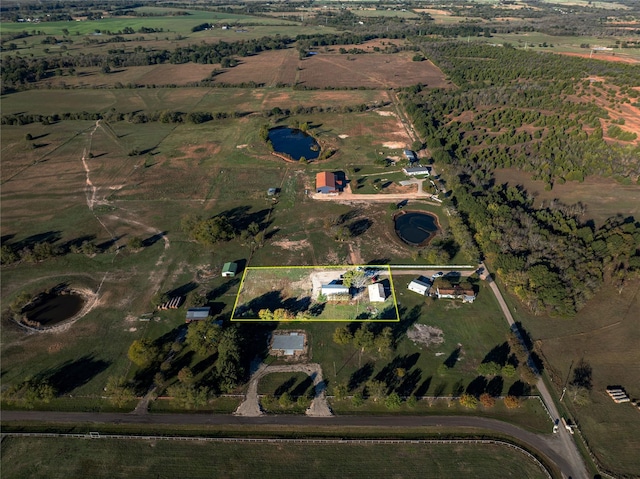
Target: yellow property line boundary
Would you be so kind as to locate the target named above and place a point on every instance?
(385, 268)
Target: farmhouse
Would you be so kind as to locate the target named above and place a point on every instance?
(376, 293)
(467, 295)
(287, 344)
(411, 156)
(197, 314)
(229, 270)
(334, 288)
(420, 287)
(326, 182)
(417, 170)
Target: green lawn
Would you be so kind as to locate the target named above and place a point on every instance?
(62, 457)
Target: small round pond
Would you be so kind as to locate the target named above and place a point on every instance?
(294, 143)
(416, 228)
(53, 308)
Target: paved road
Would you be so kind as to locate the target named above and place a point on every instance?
(547, 444)
(567, 445)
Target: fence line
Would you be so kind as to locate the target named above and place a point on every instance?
(97, 435)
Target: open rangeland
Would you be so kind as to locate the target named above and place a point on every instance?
(23, 457)
(603, 197)
(604, 335)
(105, 182)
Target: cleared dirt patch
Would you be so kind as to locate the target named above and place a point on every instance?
(423, 335)
(610, 57)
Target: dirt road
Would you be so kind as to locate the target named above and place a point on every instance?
(566, 445)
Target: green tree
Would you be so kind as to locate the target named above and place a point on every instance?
(364, 338)
(508, 371)
(342, 335)
(355, 279)
(285, 400)
(340, 390)
(489, 369)
(203, 337)
(185, 375)
(393, 401)
(118, 391)
(188, 396)
(376, 390)
(134, 243)
(384, 342)
(468, 401)
(357, 400)
(142, 352)
(7, 255)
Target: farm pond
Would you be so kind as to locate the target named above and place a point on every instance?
(53, 308)
(294, 143)
(416, 228)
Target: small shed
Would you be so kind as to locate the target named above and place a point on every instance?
(197, 314)
(326, 182)
(420, 287)
(272, 191)
(376, 293)
(333, 289)
(229, 270)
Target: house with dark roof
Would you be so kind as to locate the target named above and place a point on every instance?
(326, 182)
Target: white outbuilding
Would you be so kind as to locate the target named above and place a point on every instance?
(376, 293)
(420, 287)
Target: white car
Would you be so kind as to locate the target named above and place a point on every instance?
(437, 275)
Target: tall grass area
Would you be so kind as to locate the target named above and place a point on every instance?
(63, 457)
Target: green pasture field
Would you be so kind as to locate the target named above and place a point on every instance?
(589, 4)
(64, 457)
(301, 283)
(605, 334)
(385, 13)
(569, 44)
(177, 24)
(603, 197)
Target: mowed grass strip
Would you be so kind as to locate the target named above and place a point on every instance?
(65, 457)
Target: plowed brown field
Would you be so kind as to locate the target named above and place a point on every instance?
(374, 70)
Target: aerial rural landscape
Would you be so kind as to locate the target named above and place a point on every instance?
(320, 238)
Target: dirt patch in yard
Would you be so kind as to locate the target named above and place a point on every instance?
(423, 335)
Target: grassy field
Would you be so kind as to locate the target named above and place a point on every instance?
(610, 318)
(53, 458)
(603, 197)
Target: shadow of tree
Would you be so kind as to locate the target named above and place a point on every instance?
(495, 386)
(222, 289)
(582, 375)
(477, 386)
(409, 382)
(452, 360)
(499, 354)
(73, 374)
(284, 387)
(519, 388)
(424, 387)
(360, 376)
(153, 239)
(304, 388)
